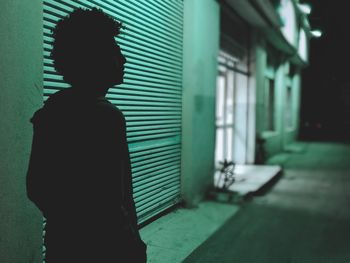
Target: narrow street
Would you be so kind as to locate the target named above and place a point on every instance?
(304, 218)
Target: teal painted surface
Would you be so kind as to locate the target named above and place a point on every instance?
(21, 95)
(291, 135)
(260, 55)
(277, 140)
(201, 44)
(151, 95)
(284, 135)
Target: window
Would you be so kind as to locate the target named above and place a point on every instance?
(289, 109)
(232, 110)
(224, 117)
(269, 104)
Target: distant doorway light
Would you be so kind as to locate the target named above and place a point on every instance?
(316, 33)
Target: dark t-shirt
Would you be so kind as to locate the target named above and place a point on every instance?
(79, 176)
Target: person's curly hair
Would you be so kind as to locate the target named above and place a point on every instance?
(78, 37)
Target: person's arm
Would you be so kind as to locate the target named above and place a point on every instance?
(113, 155)
(122, 159)
(35, 172)
(127, 176)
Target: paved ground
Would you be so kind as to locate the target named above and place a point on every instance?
(305, 218)
(171, 238)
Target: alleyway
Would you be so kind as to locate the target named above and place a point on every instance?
(305, 218)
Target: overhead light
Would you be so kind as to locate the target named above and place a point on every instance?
(305, 8)
(316, 33)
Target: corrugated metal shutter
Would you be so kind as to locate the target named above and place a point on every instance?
(150, 98)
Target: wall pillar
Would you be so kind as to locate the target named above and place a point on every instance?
(21, 94)
(201, 46)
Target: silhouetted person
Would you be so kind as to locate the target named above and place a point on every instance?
(79, 174)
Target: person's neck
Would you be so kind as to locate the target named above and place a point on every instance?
(89, 91)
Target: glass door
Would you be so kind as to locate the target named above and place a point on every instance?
(224, 119)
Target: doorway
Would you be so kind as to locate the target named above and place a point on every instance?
(233, 112)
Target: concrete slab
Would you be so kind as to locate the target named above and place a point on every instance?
(250, 178)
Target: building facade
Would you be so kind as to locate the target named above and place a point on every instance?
(278, 46)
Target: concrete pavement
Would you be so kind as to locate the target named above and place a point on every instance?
(305, 218)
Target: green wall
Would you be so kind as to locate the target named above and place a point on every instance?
(201, 45)
(261, 58)
(21, 94)
(292, 134)
(273, 138)
(276, 141)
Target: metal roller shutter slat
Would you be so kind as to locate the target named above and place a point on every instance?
(141, 149)
(158, 200)
(151, 137)
(162, 172)
(150, 168)
(151, 162)
(154, 157)
(148, 191)
(155, 177)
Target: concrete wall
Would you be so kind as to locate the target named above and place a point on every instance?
(276, 141)
(292, 134)
(272, 138)
(252, 98)
(261, 56)
(21, 95)
(201, 45)
(280, 99)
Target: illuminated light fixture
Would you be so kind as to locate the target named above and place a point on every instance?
(316, 33)
(305, 8)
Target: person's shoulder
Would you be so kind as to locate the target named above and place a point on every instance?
(107, 109)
